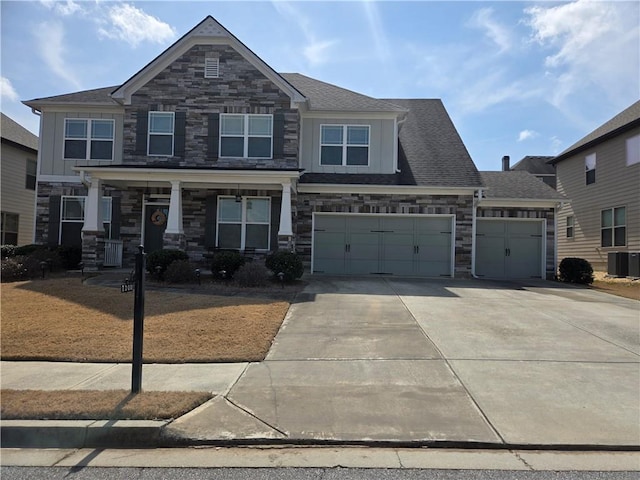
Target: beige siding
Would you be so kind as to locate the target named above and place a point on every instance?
(53, 142)
(616, 185)
(381, 146)
(16, 198)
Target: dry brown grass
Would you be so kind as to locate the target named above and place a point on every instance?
(62, 319)
(97, 405)
(622, 287)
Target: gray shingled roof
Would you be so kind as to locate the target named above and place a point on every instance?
(328, 97)
(535, 164)
(517, 185)
(96, 96)
(16, 133)
(431, 149)
(628, 118)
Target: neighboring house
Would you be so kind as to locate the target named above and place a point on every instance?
(207, 147)
(18, 159)
(601, 175)
(538, 166)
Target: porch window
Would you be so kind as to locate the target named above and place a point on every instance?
(72, 219)
(346, 145)
(88, 139)
(246, 136)
(613, 223)
(161, 129)
(245, 223)
(9, 228)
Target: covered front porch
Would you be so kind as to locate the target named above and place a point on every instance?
(195, 210)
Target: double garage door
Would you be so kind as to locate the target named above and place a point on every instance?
(509, 248)
(383, 244)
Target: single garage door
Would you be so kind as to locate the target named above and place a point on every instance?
(509, 248)
(382, 244)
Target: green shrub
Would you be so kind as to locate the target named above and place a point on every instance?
(286, 262)
(46, 254)
(228, 260)
(164, 258)
(7, 251)
(252, 274)
(576, 270)
(19, 267)
(29, 249)
(180, 271)
(70, 257)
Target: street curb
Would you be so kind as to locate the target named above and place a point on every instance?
(151, 433)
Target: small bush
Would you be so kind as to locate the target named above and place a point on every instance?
(252, 274)
(70, 257)
(20, 267)
(576, 270)
(288, 263)
(228, 260)
(7, 251)
(164, 258)
(29, 249)
(46, 254)
(180, 271)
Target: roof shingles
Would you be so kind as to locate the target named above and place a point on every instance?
(517, 185)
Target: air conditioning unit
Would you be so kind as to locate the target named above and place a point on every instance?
(634, 264)
(618, 264)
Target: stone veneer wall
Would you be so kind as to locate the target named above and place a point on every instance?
(46, 190)
(241, 88)
(459, 205)
(532, 213)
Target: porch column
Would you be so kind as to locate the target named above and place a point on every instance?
(93, 228)
(174, 221)
(285, 212)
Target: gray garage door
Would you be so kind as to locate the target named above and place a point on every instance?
(508, 249)
(361, 245)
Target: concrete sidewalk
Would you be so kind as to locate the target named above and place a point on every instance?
(411, 362)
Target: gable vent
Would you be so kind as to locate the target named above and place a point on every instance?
(211, 68)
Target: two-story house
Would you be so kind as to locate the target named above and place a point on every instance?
(18, 160)
(601, 175)
(536, 165)
(208, 147)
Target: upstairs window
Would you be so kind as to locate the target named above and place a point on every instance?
(613, 223)
(633, 150)
(30, 180)
(590, 167)
(211, 68)
(246, 136)
(88, 139)
(345, 145)
(160, 141)
(570, 226)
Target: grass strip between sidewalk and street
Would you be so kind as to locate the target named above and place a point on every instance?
(97, 404)
(62, 319)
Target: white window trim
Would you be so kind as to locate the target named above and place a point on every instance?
(345, 145)
(632, 150)
(245, 134)
(211, 68)
(84, 198)
(587, 158)
(614, 226)
(570, 225)
(89, 139)
(243, 221)
(149, 133)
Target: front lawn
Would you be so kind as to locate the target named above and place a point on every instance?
(62, 319)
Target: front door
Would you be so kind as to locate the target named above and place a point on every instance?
(155, 223)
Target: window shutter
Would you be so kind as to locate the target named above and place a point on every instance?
(115, 218)
(179, 134)
(211, 215)
(213, 136)
(275, 221)
(142, 126)
(54, 220)
(278, 135)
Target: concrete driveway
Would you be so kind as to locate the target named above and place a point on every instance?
(362, 359)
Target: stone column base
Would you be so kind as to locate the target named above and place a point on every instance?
(175, 241)
(93, 250)
(286, 242)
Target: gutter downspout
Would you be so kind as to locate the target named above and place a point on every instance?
(557, 208)
(38, 164)
(398, 124)
(474, 218)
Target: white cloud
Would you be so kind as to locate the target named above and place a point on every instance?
(556, 145)
(134, 26)
(69, 7)
(498, 34)
(378, 34)
(7, 91)
(527, 135)
(50, 37)
(318, 53)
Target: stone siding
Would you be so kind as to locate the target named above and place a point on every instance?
(459, 205)
(530, 213)
(45, 191)
(241, 88)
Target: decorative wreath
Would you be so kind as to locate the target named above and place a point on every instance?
(158, 218)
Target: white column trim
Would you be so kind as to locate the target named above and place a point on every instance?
(174, 221)
(93, 208)
(285, 211)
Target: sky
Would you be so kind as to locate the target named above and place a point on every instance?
(517, 78)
